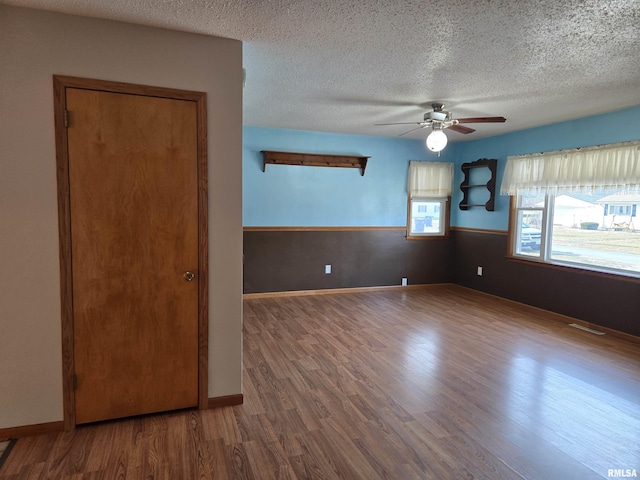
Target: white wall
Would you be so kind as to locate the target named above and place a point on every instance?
(34, 45)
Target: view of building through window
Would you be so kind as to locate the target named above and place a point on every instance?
(599, 230)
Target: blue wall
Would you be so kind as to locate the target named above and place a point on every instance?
(620, 126)
(312, 196)
(287, 195)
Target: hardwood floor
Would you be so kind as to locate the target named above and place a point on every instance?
(440, 383)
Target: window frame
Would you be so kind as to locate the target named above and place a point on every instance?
(445, 210)
(515, 232)
(546, 242)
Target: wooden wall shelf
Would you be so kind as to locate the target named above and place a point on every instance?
(466, 186)
(313, 160)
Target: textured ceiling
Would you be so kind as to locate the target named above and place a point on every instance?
(342, 66)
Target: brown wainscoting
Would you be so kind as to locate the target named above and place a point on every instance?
(293, 258)
(28, 430)
(600, 300)
(480, 230)
(226, 401)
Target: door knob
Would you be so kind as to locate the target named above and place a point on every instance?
(188, 276)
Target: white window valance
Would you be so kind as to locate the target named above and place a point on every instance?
(581, 170)
(430, 179)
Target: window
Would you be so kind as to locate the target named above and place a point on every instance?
(563, 230)
(425, 218)
(429, 189)
(565, 217)
(530, 217)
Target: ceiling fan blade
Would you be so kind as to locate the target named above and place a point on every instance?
(482, 120)
(412, 130)
(461, 129)
(401, 123)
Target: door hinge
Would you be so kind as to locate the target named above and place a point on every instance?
(66, 118)
(74, 381)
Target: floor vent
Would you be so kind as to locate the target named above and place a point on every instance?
(575, 325)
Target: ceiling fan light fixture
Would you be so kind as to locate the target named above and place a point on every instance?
(436, 141)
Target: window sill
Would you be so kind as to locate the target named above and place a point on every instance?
(439, 236)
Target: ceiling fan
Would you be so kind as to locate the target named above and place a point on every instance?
(438, 120)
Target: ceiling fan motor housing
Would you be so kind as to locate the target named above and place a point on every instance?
(438, 116)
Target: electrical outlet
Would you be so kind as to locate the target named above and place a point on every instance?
(479, 271)
(327, 269)
(404, 281)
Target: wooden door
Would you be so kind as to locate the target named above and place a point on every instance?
(133, 201)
